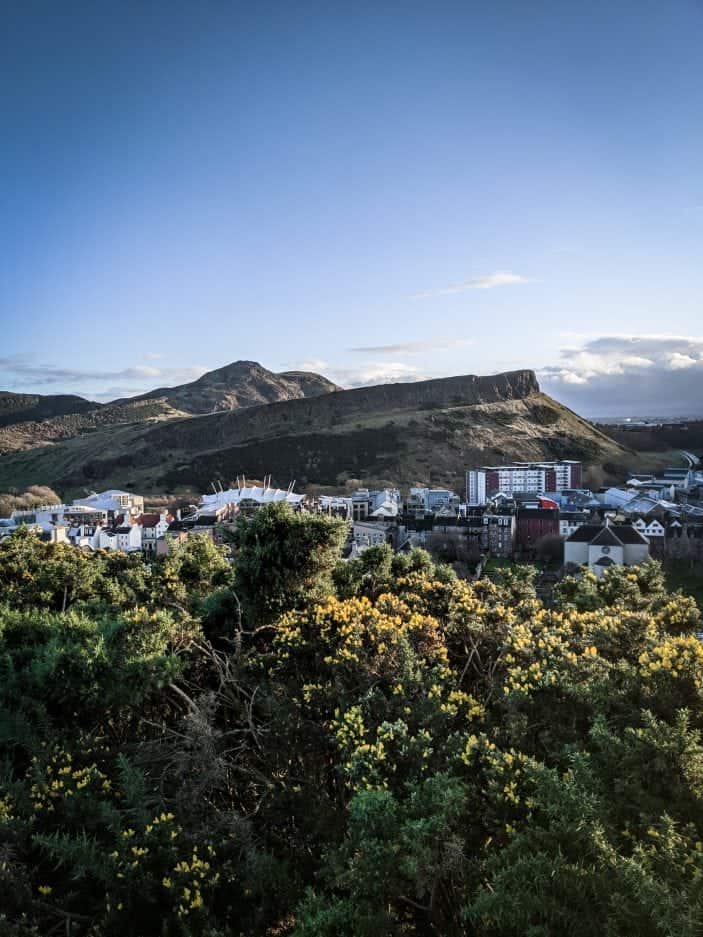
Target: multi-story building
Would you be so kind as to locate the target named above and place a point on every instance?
(498, 534)
(571, 520)
(535, 522)
(113, 502)
(386, 502)
(153, 526)
(536, 477)
(246, 499)
(432, 500)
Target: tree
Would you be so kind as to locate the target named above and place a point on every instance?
(284, 560)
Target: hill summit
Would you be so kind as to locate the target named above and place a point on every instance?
(236, 385)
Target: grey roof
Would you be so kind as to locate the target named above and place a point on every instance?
(606, 537)
(613, 535)
(584, 534)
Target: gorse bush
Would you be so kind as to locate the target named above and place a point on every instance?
(291, 745)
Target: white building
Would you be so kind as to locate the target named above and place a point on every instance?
(246, 498)
(49, 515)
(368, 535)
(476, 488)
(569, 521)
(127, 538)
(334, 504)
(113, 501)
(384, 503)
(433, 500)
(153, 527)
(652, 529)
(537, 477)
(601, 546)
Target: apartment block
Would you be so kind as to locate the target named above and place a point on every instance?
(537, 477)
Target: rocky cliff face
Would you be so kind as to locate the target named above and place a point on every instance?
(464, 390)
(333, 410)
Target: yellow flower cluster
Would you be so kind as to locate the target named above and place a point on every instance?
(188, 876)
(354, 629)
(187, 881)
(458, 699)
(61, 779)
(5, 808)
(537, 652)
(680, 614)
(676, 656)
(504, 769)
(368, 762)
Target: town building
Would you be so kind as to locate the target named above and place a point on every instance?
(366, 534)
(601, 546)
(433, 500)
(536, 520)
(246, 499)
(153, 527)
(498, 534)
(114, 501)
(569, 521)
(385, 503)
(539, 477)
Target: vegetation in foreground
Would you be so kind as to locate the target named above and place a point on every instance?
(292, 746)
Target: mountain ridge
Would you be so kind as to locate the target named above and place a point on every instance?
(31, 420)
(425, 432)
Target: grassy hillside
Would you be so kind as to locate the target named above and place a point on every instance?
(424, 433)
(33, 434)
(23, 408)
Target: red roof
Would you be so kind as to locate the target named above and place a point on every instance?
(148, 520)
(151, 520)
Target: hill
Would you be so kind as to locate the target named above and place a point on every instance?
(28, 421)
(36, 433)
(421, 433)
(237, 385)
(24, 408)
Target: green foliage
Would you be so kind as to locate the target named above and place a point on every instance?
(366, 748)
(284, 560)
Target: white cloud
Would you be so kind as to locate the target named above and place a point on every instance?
(377, 372)
(620, 374)
(677, 361)
(488, 282)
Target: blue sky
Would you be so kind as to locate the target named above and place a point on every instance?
(375, 190)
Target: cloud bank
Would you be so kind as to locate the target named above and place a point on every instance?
(618, 375)
(376, 372)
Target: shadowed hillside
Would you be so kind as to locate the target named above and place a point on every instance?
(424, 432)
(24, 408)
